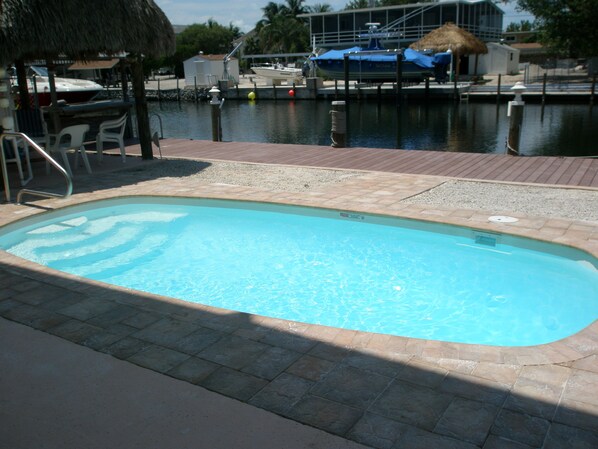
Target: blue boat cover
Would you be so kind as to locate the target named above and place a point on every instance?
(408, 55)
(442, 58)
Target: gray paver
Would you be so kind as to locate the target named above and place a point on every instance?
(87, 308)
(234, 352)
(34, 316)
(282, 393)
(533, 398)
(522, 428)
(271, 362)
(310, 367)
(377, 431)
(74, 330)
(578, 414)
(475, 388)
(196, 341)
(166, 331)
(415, 438)
(326, 415)
(158, 358)
(374, 361)
(422, 373)
(193, 370)
(496, 442)
(467, 420)
(561, 436)
(351, 386)
(125, 348)
(233, 383)
(412, 404)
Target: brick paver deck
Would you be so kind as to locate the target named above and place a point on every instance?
(380, 390)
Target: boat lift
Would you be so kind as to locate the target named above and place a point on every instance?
(226, 76)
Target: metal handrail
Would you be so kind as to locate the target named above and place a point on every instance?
(46, 156)
(160, 122)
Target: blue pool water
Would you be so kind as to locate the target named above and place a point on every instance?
(362, 272)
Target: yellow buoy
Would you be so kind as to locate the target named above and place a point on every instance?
(251, 95)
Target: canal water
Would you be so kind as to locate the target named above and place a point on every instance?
(559, 130)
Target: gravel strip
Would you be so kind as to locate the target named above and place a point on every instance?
(569, 203)
(496, 198)
(271, 177)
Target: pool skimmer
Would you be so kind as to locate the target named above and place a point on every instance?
(502, 219)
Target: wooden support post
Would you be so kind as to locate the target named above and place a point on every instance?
(178, 91)
(195, 89)
(544, 88)
(399, 75)
(159, 92)
(593, 90)
(346, 70)
(498, 89)
(143, 127)
(427, 91)
(339, 124)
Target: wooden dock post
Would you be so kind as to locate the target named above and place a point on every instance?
(399, 77)
(593, 90)
(178, 91)
(498, 89)
(339, 124)
(195, 88)
(159, 92)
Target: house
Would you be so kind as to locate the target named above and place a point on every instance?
(404, 24)
(207, 70)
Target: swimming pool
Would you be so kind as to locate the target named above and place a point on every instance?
(342, 269)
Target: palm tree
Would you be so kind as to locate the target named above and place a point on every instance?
(319, 7)
(295, 7)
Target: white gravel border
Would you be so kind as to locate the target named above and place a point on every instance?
(577, 204)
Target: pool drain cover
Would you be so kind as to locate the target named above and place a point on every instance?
(502, 219)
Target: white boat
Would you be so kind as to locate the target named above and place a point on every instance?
(277, 71)
(71, 90)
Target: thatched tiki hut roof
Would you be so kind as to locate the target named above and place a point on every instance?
(451, 37)
(81, 29)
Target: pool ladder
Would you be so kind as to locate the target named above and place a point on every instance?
(28, 143)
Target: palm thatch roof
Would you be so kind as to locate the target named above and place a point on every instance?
(450, 36)
(44, 29)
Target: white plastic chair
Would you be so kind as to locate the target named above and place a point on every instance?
(14, 148)
(112, 131)
(73, 137)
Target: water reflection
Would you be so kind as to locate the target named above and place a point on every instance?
(564, 130)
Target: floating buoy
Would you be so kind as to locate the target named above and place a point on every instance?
(291, 93)
(251, 95)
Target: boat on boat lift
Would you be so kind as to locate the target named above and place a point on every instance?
(278, 72)
(375, 63)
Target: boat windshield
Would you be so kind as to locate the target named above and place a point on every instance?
(37, 70)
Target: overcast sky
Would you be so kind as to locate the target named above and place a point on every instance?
(245, 14)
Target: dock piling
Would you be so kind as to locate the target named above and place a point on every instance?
(339, 124)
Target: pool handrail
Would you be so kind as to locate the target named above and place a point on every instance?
(46, 156)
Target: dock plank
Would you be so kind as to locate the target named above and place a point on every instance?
(490, 167)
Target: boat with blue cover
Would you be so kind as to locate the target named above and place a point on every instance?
(375, 63)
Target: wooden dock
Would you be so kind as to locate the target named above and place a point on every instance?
(564, 171)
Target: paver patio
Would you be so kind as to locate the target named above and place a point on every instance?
(379, 390)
